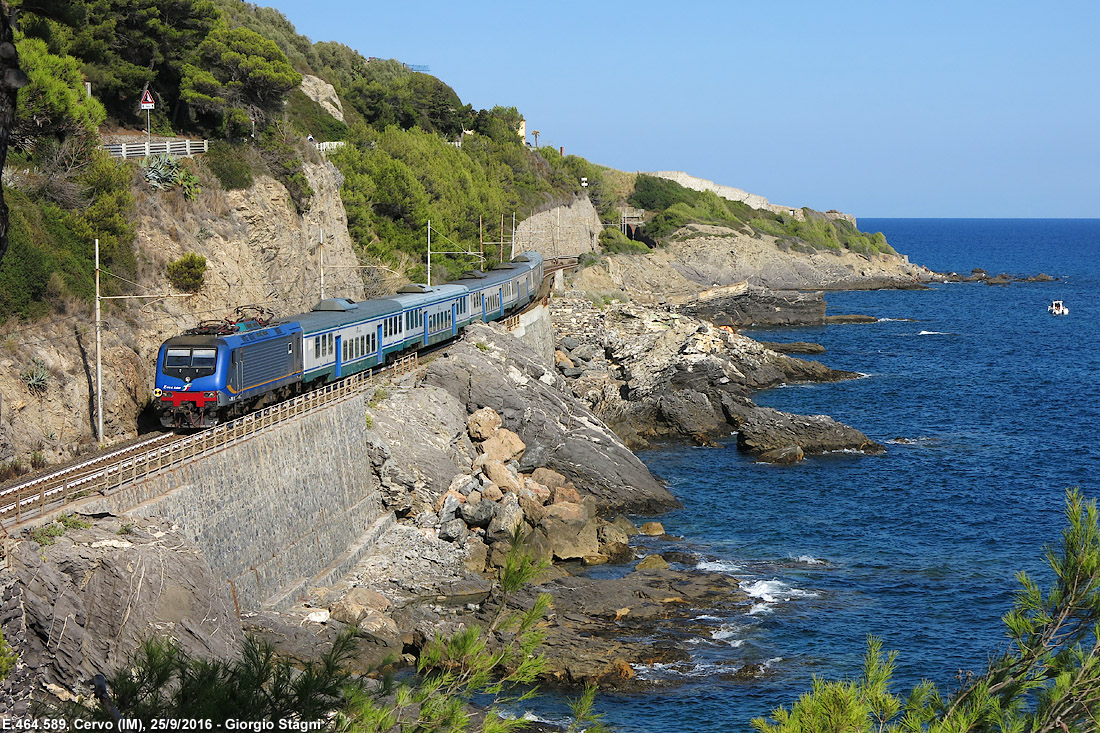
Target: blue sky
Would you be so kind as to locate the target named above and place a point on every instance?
(963, 108)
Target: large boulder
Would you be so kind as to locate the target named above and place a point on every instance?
(503, 445)
(427, 443)
(482, 423)
(571, 531)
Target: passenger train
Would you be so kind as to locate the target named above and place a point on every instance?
(207, 376)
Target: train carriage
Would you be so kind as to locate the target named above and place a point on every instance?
(204, 378)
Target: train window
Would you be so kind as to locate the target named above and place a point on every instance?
(204, 358)
(177, 358)
(290, 349)
(317, 347)
(344, 354)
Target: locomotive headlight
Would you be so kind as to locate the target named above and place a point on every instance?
(210, 395)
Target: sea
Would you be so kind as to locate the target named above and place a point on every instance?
(989, 408)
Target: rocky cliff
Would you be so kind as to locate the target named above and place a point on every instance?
(702, 256)
(258, 250)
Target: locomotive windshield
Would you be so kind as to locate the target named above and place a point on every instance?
(200, 358)
(186, 362)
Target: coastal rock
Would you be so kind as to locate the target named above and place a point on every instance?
(425, 432)
(659, 374)
(478, 514)
(559, 432)
(602, 629)
(766, 429)
(783, 456)
(82, 605)
(794, 347)
(744, 305)
(652, 529)
(507, 518)
(652, 562)
(503, 445)
(849, 318)
(501, 476)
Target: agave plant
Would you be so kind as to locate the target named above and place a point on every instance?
(163, 172)
(160, 171)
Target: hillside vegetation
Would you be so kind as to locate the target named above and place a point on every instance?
(676, 207)
(230, 71)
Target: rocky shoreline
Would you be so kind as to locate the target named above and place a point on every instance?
(486, 444)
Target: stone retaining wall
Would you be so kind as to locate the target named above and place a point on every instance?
(562, 231)
(294, 506)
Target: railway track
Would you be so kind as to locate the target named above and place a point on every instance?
(106, 472)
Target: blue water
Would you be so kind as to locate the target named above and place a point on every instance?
(998, 402)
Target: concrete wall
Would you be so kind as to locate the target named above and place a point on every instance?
(294, 506)
(535, 330)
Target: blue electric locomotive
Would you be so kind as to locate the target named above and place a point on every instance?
(209, 375)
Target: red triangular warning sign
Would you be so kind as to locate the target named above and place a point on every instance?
(147, 97)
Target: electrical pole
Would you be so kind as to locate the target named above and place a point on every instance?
(98, 363)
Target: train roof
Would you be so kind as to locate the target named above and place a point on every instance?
(478, 280)
(335, 312)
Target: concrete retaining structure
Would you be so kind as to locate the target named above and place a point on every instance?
(293, 507)
(535, 329)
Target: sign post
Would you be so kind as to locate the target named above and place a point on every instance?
(147, 104)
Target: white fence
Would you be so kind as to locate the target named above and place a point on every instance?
(177, 148)
(332, 145)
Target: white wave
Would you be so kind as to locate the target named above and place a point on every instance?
(718, 566)
(772, 592)
(771, 663)
(676, 669)
(729, 633)
(935, 333)
(887, 320)
(706, 617)
(807, 559)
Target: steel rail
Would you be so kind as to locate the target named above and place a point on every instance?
(28, 501)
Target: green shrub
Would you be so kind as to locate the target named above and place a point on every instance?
(615, 242)
(280, 155)
(657, 194)
(231, 163)
(309, 117)
(187, 273)
(8, 657)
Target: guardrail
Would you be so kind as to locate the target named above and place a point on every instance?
(177, 148)
(29, 501)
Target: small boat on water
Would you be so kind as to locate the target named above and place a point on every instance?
(1058, 308)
